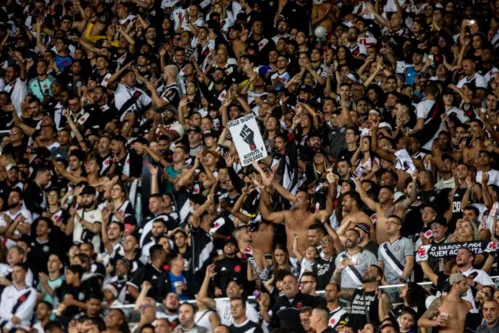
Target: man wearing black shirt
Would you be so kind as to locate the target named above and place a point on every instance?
(71, 293)
(286, 312)
(241, 323)
(149, 272)
(35, 199)
(324, 265)
(41, 245)
(364, 307)
(229, 267)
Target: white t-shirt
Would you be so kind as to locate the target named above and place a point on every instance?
(223, 310)
(479, 81)
(92, 216)
(482, 278)
(124, 93)
(493, 177)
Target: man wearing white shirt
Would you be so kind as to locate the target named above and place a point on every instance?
(475, 81)
(484, 159)
(16, 211)
(18, 301)
(234, 289)
(16, 87)
(127, 97)
(477, 278)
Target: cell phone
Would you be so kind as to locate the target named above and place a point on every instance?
(471, 22)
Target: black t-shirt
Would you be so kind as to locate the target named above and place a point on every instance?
(79, 294)
(227, 269)
(39, 255)
(364, 309)
(247, 327)
(147, 273)
(324, 270)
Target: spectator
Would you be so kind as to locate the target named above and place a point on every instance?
(319, 321)
(241, 322)
(18, 301)
(336, 312)
(186, 319)
(491, 316)
(292, 300)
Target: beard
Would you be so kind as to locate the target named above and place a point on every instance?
(13, 205)
(368, 279)
(87, 205)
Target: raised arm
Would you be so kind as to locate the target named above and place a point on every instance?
(203, 291)
(370, 203)
(274, 217)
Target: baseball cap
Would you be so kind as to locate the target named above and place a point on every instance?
(364, 227)
(210, 133)
(194, 129)
(456, 278)
(229, 240)
(11, 166)
(306, 88)
(440, 220)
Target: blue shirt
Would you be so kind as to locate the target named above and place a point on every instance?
(174, 279)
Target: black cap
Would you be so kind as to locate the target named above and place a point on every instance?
(89, 190)
(438, 219)
(210, 133)
(306, 88)
(229, 240)
(195, 129)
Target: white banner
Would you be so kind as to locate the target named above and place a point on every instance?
(248, 139)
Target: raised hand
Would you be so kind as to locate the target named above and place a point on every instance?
(153, 170)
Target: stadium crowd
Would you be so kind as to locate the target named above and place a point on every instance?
(125, 206)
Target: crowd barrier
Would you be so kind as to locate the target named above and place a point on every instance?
(133, 316)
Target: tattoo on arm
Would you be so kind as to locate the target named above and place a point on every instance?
(432, 311)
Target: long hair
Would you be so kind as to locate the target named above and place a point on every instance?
(275, 265)
(416, 296)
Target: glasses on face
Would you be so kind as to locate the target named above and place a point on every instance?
(391, 222)
(144, 306)
(305, 282)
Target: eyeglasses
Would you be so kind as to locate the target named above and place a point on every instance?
(305, 282)
(391, 222)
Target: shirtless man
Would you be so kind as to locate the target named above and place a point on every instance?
(386, 207)
(324, 15)
(297, 221)
(352, 212)
(449, 312)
